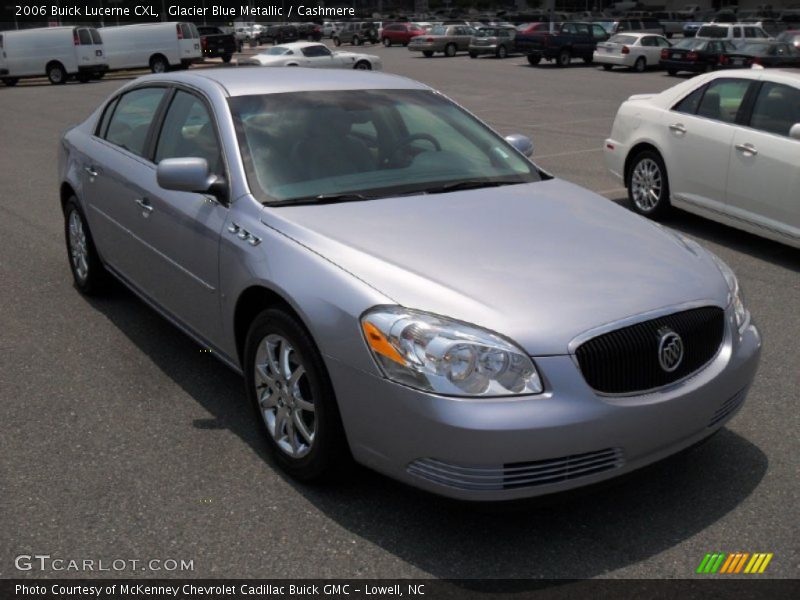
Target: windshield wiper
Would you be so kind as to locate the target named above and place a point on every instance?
(322, 199)
(467, 184)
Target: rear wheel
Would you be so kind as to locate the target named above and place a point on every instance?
(83, 77)
(88, 271)
(226, 58)
(648, 186)
(427, 53)
(11, 81)
(640, 65)
(293, 396)
(356, 40)
(159, 64)
(363, 65)
(337, 41)
(672, 72)
(534, 59)
(450, 50)
(502, 52)
(56, 73)
(564, 58)
(588, 60)
(387, 42)
(606, 67)
(473, 55)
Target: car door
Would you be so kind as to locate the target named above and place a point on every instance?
(763, 178)
(698, 132)
(114, 167)
(319, 57)
(181, 230)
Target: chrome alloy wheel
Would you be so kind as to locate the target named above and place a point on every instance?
(646, 184)
(284, 396)
(78, 250)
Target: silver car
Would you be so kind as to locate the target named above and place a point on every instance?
(400, 285)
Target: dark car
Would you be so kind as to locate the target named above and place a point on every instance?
(766, 54)
(791, 36)
(696, 56)
(309, 31)
(573, 40)
(279, 34)
(400, 33)
(356, 33)
(498, 41)
(215, 43)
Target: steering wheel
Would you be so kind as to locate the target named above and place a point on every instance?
(391, 154)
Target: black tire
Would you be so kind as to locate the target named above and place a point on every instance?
(226, 58)
(10, 81)
(473, 55)
(672, 72)
(328, 454)
(534, 59)
(56, 73)
(661, 205)
(83, 77)
(96, 279)
(427, 53)
(356, 40)
(564, 58)
(607, 67)
(387, 42)
(640, 65)
(363, 65)
(501, 52)
(450, 50)
(337, 41)
(159, 64)
(98, 76)
(669, 36)
(588, 60)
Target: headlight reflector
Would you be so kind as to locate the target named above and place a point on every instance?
(439, 355)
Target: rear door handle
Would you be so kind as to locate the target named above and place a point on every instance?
(678, 128)
(746, 149)
(91, 171)
(147, 208)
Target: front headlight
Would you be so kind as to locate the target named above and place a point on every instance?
(439, 355)
(735, 298)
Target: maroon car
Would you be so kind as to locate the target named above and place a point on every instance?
(400, 33)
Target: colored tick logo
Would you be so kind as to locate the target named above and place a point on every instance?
(737, 562)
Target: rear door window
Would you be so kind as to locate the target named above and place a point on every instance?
(776, 109)
(723, 99)
(96, 39)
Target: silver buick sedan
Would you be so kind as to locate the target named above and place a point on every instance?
(400, 285)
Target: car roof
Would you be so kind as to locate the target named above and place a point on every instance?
(245, 81)
(298, 45)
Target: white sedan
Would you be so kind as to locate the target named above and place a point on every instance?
(636, 51)
(314, 55)
(723, 145)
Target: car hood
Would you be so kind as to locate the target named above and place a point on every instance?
(540, 263)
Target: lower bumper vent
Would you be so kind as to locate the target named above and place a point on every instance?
(518, 475)
(729, 406)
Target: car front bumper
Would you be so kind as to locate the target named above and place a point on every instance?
(483, 49)
(568, 437)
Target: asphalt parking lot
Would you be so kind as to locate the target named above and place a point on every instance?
(122, 439)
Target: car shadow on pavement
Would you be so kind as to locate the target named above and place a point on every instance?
(748, 243)
(580, 534)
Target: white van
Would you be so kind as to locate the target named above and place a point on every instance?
(159, 46)
(57, 52)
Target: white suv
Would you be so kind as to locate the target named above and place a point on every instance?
(738, 33)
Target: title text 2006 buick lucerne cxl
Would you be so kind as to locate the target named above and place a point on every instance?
(400, 285)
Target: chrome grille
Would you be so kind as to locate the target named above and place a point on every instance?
(625, 360)
(518, 475)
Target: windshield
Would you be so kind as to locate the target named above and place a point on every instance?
(689, 44)
(623, 39)
(710, 31)
(278, 51)
(302, 145)
(756, 48)
(438, 30)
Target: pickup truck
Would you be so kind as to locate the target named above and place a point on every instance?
(574, 39)
(215, 43)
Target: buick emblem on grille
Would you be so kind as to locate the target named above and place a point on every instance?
(670, 349)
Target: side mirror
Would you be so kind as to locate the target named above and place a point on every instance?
(794, 132)
(190, 175)
(522, 143)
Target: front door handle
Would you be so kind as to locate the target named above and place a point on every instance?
(91, 171)
(145, 205)
(746, 149)
(678, 128)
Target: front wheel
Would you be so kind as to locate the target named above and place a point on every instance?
(363, 65)
(90, 275)
(10, 81)
(473, 55)
(293, 396)
(672, 72)
(640, 65)
(356, 40)
(427, 53)
(387, 42)
(606, 67)
(337, 41)
(648, 186)
(534, 59)
(450, 50)
(564, 58)
(502, 52)
(226, 58)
